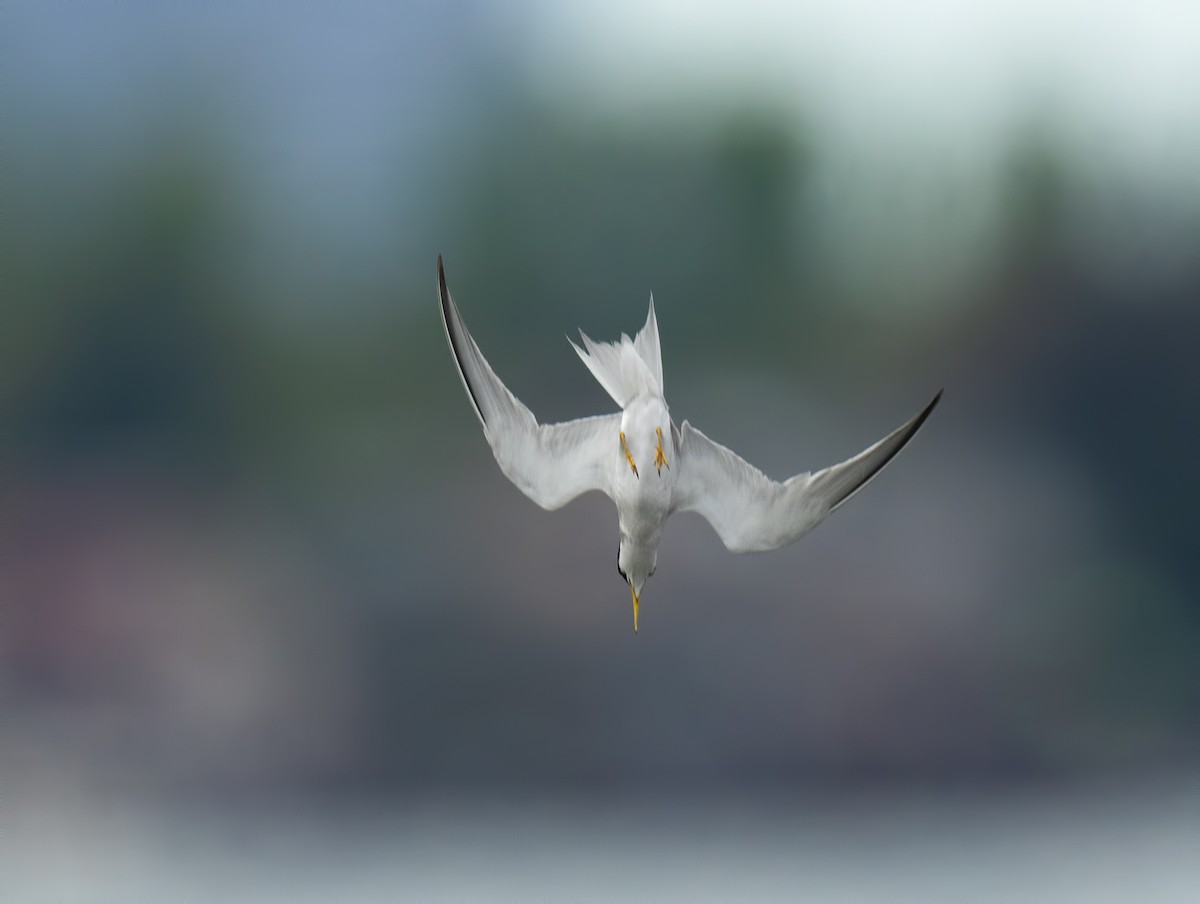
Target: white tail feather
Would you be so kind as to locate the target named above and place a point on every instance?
(646, 343)
(628, 368)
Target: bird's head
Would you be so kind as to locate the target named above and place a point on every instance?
(636, 567)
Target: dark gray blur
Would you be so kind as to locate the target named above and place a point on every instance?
(278, 628)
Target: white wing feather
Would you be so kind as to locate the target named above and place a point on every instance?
(549, 463)
(752, 513)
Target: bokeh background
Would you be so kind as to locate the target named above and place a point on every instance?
(277, 629)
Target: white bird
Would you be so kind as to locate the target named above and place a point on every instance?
(640, 459)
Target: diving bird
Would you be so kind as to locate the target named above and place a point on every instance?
(649, 467)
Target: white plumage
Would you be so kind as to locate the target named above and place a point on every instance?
(649, 467)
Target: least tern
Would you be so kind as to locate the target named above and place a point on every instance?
(648, 466)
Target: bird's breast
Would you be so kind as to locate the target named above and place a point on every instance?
(643, 502)
(643, 487)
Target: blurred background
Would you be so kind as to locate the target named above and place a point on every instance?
(279, 630)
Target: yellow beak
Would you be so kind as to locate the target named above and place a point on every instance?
(635, 607)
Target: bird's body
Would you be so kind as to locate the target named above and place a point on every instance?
(647, 465)
(643, 503)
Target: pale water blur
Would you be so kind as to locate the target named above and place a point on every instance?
(277, 629)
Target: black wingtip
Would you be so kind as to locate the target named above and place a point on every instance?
(447, 304)
(444, 294)
(453, 338)
(916, 424)
(928, 410)
(908, 432)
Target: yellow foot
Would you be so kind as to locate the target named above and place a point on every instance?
(629, 456)
(659, 458)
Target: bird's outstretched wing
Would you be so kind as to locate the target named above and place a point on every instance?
(752, 513)
(549, 463)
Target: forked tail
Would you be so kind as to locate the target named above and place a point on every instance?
(627, 368)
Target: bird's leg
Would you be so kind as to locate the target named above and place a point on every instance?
(629, 456)
(659, 458)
